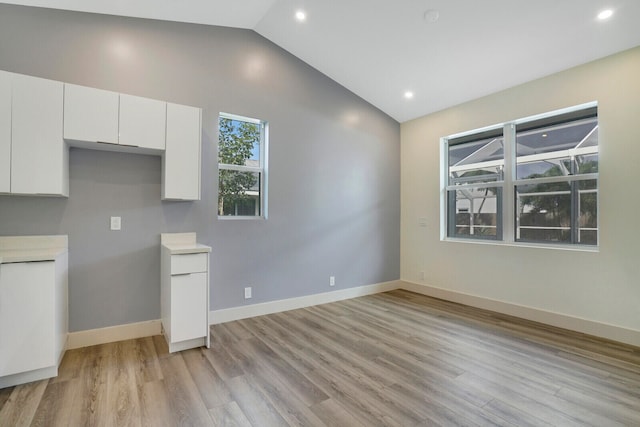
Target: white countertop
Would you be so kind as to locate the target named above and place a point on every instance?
(31, 248)
(30, 255)
(178, 249)
(182, 243)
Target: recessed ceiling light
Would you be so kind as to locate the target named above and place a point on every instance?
(605, 14)
(408, 94)
(301, 16)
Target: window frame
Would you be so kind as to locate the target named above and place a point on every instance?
(509, 184)
(261, 170)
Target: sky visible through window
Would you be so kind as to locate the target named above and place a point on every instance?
(255, 150)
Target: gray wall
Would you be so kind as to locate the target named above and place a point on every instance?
(334, 184)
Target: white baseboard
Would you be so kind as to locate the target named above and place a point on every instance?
(113, 333)
(585, 326)
(260, 309)
(154, 327)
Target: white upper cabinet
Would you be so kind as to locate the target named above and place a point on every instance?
(5, 132)
(181, 160)
(39, 155)
(142, 122)
(38, 116)
(90, 114)
(96, 115)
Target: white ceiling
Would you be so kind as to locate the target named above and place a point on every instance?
(379, 49)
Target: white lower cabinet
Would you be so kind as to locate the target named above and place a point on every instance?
(184, 292)
(188, 305)
(26, 316)
(33, 319)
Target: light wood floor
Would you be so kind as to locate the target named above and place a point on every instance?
(393, 359)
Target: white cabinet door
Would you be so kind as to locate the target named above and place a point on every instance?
(26, 317)
(39, 155)
(181, 161)
(5, 132)
(90, 114)
(142, 122)
(188, 306)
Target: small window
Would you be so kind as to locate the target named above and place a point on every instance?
(242, 153)
(534, 180)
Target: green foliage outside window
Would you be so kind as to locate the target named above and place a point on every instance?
(237, 143)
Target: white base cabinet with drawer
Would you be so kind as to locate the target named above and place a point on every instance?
(184, 291)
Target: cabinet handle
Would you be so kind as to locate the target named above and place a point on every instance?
(180, 274)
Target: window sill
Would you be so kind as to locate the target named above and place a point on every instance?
(238, 217)
(560, 247)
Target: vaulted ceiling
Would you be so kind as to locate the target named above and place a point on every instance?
(442, 51)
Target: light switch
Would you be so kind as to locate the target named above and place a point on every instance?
(116, 223)
(422, 221)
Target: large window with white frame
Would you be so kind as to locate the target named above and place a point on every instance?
(242, 167)
(533, 180)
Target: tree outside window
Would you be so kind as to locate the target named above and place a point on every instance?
(241, 166)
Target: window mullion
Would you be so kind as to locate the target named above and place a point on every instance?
(508, 196)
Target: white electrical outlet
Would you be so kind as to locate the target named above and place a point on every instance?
(422, 275)
(116, 223)
(247, 292)
(422, 221)
(332, 280)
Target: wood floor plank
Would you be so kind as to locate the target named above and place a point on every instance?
(4, 395)
(90, 404)
(391, 359)
(334, 415)
(146, 361)
(256, 408)
(22, 404)
(226, 367)
(213, 390)
(123, 401)
(184, 399)
(155, 405)
(54, 406)
(229, 415)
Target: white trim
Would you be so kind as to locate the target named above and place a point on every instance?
(153, 327)
(270, 307)
(577, 324)
(114, 333)
(239, 118)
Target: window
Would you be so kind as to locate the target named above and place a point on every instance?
(475, 179)
(242, 154)
(534, 180)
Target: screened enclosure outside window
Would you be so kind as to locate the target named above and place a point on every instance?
(557, 179)
(475, 185)
(533, 180)
(242, 151)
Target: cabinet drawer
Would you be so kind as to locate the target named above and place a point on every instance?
(188, 263)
